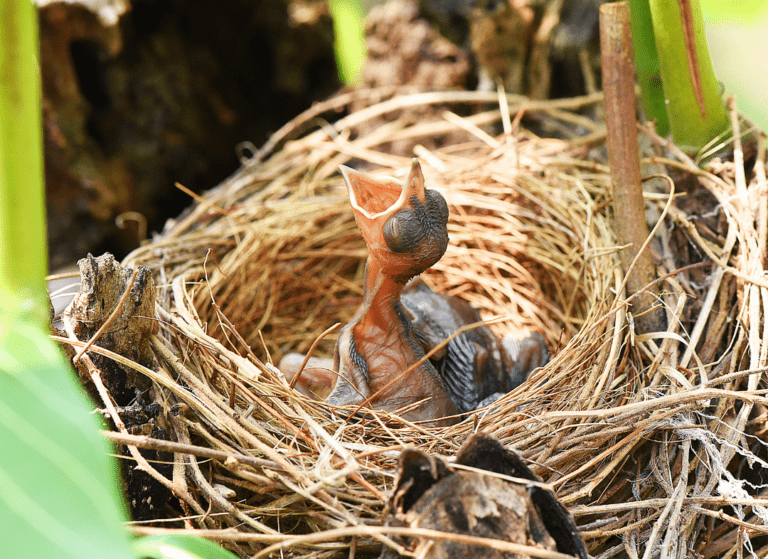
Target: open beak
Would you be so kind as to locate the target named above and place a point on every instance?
(403, 225)
(377, 199)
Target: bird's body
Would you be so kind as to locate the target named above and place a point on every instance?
(476, 366)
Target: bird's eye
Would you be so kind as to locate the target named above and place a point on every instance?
(403, 232)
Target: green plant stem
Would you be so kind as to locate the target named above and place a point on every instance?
(22, 209)
(647, 64)
(350, 49)
(695, 108)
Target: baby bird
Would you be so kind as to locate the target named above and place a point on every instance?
(379, 356)
(405, 229)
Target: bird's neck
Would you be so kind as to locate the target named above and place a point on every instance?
(381, 296)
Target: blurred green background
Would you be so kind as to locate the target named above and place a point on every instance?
(737, 33)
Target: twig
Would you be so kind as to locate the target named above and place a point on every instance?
(623, 152)
(143, 441)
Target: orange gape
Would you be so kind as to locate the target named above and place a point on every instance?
(405, 229)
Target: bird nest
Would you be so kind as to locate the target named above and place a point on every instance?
(652, 439)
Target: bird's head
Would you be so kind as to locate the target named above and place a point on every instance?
(403, 225)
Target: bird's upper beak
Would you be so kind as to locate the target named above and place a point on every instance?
(377, 199)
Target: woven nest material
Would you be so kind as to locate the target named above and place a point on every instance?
(648, 439)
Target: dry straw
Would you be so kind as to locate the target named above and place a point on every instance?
(649, 439)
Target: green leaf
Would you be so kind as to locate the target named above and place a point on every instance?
(179, 546)
(59, 490)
